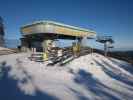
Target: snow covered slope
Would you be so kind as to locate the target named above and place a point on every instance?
(90, 77)
(4, 51)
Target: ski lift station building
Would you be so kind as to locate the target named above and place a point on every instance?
(37, 33)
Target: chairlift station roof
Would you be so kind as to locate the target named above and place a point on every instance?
(55, 28)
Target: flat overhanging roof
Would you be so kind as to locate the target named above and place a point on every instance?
(51, 27)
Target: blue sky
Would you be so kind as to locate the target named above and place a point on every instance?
(106, 17)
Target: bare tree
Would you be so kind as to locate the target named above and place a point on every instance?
(2, 33)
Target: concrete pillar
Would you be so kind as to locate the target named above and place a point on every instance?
(45, 44)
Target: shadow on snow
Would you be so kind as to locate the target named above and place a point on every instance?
(127, 67)
(94, 86)
(115, 73)
(10, 91)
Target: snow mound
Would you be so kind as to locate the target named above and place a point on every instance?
(89, 77)
(4, 51)
(3, 48)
